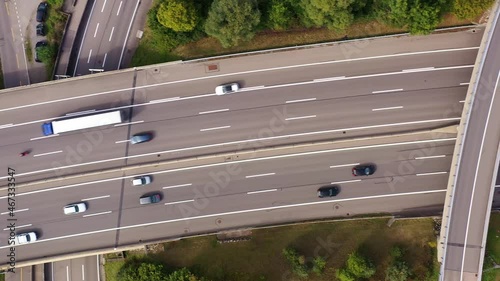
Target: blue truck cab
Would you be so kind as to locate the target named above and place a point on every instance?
(47, 129)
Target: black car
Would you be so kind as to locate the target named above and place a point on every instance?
(38, 46)
(328, 191)
(40, 29)
(363, 170)
(41, 11)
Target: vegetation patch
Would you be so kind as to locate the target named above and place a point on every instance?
(111, 269)
(491, 266)
(55, 24)
(186, 29)
(316, 251)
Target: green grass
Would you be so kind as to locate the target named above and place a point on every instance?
(492, 250)
(29, 50)
(111, 269)
(261, 259)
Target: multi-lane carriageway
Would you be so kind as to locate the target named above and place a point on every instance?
(349, 93)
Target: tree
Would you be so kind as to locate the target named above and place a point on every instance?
(470, 9)
(179, 15)
(424, 17)
(232, 21)
(334, 14)
(393, 12)
(280, 15)
(398, 271)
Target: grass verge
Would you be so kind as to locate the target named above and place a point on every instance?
(492, 257)
(151, 51)
(111, 269)
(261, 258)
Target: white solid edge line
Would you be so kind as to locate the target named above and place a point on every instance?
(302, 100)
(84, 34)
(97, 214)
(387, 91)
(431, 174)
(214, 111)
(179, 202)
(387, 108)
(419, 69)
(343, 165)
(44, 137)
(327, 79)
(165, 100)
(21, 226)
(215, 128)
(348, 181)
(260, 175)
(262, 191)
(6, 125)
(178, 185)
(430, 157)
(16, 211)
(95, 198)
(236, 213)
(237, 162)
(127, 35)
(47, 153)
(300, 117)
(129, 123)
(239, 142)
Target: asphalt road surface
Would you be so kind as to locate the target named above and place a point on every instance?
(387, 86)
(475, 182)
(105, 35)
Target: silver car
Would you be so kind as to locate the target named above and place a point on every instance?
(75, 208)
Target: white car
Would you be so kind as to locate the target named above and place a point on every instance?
(142, 180)
(226, 89)
(75, 208)
(25, 238)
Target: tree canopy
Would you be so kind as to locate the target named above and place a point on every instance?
(232, 21)
(179, 15)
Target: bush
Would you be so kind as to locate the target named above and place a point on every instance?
(319, 264)
(178, 15)
(470, 9)
(356, 267)
(398, 271)
(141, 270)
(334, 14)
(297, 262)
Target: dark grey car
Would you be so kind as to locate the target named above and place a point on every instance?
(140, 138)
(363, 170)
(328, 191)
(150, 199)
(41, 12)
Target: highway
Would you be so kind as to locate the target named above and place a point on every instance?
(474, 185)
(399, 85)
(105, 34)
